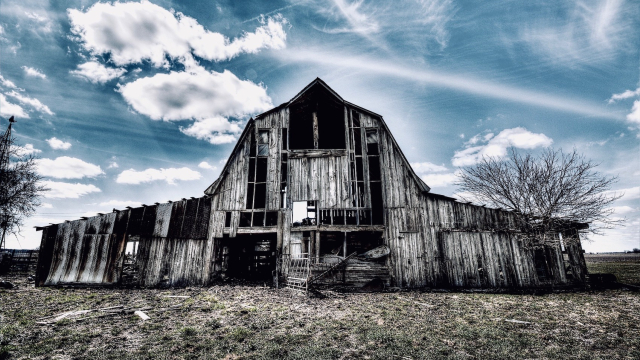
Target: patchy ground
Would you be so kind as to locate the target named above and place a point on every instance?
(626, 267)
(242, 322)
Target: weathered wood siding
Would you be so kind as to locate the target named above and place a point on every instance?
(174, 246)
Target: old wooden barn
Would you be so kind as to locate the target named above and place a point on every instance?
(315, 192)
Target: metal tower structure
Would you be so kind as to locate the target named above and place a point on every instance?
(5, 146)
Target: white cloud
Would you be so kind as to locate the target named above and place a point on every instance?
(46, 206)
(427, 167)
(120, 204)
(65, 167)
(496, 146)
(619, 210)
(58, 144)
(217, 130)
(628, 193)
(35, 103)
(113, 165)
(195, 95)
(634, 115)
(7, 83)
(359, 21)
(170, 175)
(440, 180)
(625, 95)
(27, 149)
(591, 33)
(33, 72)
(206, 165)
(435, 15)
(62, 190)
(466, 83)
(97, 73)
(132, 32)
(9, 109)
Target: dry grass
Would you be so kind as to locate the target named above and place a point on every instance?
(626, 267)
(240, 322)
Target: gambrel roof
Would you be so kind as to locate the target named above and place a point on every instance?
(317, 82)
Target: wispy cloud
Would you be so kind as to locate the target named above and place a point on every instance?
(29, 71)
(468, 84)
(591, 31)
(170, 175)
(35, 103)
(496, 146)
(627, 94)
(10, 109)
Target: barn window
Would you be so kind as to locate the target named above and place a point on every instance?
(304, 213)
(375, 186)
(227, 219)
(316, 121)
(257, 179)
(541, 265)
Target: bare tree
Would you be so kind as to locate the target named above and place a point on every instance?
(20, 185)
(551, 193)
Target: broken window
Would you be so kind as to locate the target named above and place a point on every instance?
(317, 121)
(227, 219)
(375, 185)
(257, 175)
(304, 213)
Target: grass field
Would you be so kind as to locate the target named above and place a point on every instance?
(241, 322)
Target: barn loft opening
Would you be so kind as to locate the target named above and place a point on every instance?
(317, 121)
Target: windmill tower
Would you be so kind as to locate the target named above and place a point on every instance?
(5, 147)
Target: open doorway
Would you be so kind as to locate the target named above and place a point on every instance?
(251, 256)
(130, 268)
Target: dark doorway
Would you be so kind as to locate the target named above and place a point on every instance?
(251, 257)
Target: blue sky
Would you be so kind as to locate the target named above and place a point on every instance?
(141, 102)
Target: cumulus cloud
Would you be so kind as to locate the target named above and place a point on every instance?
(170, 175)
(97, 73)
(634, 115)
(208, 97)
(62, 190)
(58, 144)
(217, 130)
(35, 103)
(65, 167)
(195, 95)
(496, 146)
(206, 165)
(132, 32)
(33, 72)
(27, 149)
(10, 109)
(628, 193)
(113, 165)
